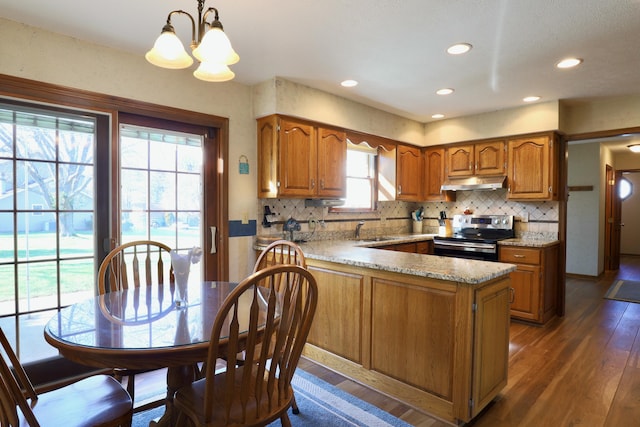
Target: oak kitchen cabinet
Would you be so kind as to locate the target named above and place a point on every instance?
(441, 346)
(534, 283)
(300, 159)
(479, 159)
(434, 175)
(424, 247)
(533, 168)
(409, 173)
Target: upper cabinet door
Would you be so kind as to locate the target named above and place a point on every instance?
(434, 173)
(490, 158)
(409, 173)
(267, 157)
(460, 160)
(332, 163)
(530, 168)
(298, 162)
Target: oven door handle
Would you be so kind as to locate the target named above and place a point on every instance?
(464, 246)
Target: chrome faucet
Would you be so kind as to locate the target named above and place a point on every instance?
(358, 227)
(291, 225)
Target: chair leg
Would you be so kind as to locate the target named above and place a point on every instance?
(294, 405)
(284, 420)
(131, 387)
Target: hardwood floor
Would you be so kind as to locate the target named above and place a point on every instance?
(579, 370)
(582, 369)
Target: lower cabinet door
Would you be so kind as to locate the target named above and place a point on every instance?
(525, 282)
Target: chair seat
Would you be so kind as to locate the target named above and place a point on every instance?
(93, 401)
(190, 400)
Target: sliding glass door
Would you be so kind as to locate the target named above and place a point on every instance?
(161, 187)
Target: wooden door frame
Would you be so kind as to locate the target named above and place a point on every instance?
(612, 219)
(36, 91)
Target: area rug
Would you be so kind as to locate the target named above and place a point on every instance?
(320, 404)
(624, 290)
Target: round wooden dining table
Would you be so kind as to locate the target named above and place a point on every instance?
(141, 328)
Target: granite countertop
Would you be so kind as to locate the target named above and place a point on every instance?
(362, 253)
(529, 242)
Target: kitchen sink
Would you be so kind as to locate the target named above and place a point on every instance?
(380, 239)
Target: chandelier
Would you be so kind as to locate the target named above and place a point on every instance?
(209, 45)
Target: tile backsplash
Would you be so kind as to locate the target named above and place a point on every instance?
(533, 219)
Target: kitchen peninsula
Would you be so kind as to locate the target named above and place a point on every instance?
(428, 330)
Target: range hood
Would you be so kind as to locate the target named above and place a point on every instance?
(474, 183)
(308, 203)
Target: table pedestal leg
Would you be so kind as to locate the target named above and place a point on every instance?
(177, 377)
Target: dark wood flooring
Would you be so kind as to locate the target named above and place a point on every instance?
(579, 370)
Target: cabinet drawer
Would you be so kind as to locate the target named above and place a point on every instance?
(520, 255)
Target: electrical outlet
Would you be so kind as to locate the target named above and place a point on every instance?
(245, 218)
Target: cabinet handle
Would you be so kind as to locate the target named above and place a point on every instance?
(400, 189)
(513, 295)
(313, 183)
(518, 256)
(322, 184)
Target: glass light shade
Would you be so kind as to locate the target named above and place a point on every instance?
(213, 72)
(634, 147)
(216, 47)
(168, 52)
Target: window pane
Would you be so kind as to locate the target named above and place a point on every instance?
(189, 195)
(76, 147)
(76, 280)
(7, 300)
(162, 155)
(35, 143)
(133, 190)
(6, 137)
(189, 158)
(36, 185)
(37, 288)
(162, 191)
(358, 164)
(6, 238)
(133, 153)
(359, 192)
(6, 184)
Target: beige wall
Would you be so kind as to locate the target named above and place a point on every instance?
(528, 119)
(305, 102)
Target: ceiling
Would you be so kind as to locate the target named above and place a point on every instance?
(395, 49)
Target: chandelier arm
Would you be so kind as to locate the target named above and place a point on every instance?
(194, 40)
(216, 20)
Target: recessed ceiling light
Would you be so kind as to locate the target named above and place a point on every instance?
(349, 83)
(569, 63)
(437, 116)
(531, 98)
(459, 48)
(634, 147)
(445, 91)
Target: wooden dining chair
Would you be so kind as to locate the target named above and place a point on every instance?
(94, 401)
(135, 264)
(260, 392)
(280, 252)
